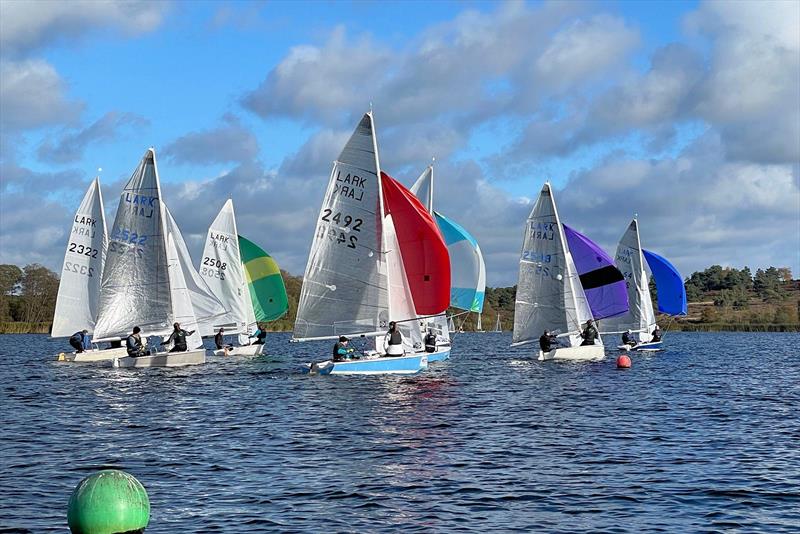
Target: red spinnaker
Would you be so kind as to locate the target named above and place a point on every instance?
(425, 256)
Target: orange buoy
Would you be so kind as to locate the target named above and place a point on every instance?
(624, 362)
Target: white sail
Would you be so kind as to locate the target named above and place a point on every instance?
(82, 271)
(345, 287)
(451, 324)
(629, 260)
(136, 284)
(479, 326)
(401, 302)
(207, 309)
(181, 298)
(549, 292)
(497, 326)
(221, 267)
(423, 188)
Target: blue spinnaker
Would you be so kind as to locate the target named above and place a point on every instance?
(467, 270)
(669, 284)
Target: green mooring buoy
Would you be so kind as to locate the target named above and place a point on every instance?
(108, 502)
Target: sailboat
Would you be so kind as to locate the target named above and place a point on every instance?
(549, 291)
(148, 277)
(631, 259)
(357, 278)
(81, 275)
(223, 267)
(497, 326)
(467, 268)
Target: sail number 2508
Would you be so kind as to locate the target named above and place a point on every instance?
(341, 221)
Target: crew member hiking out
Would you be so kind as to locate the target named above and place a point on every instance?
(546, 341)
(394, 341)
(80, 341)
(178, 337)
(589, 333)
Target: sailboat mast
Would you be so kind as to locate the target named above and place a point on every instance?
(382, 241)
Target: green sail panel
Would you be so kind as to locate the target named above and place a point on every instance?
(267, 291)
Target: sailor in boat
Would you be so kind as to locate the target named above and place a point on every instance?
(430, 341)
(260, 336)
(628, 339)
(178, 337)
(394, 341)
(341, 351)
(546, 341)
(134, 344)
(656, 335)
(80, 341)
(589, 333)
(218, 341)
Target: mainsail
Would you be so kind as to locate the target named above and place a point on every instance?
(268, 300)
(136, 283)
(549, 292)
(669, 284)
(221, 268)
(82, 272)
(468, 271)
(640, 317)
(603, 283)
(345, 287)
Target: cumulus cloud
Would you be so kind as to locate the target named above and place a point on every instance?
(228, 142)
(27, 26)
(32, 94)
(71, 145)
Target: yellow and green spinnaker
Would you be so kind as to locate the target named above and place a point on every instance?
(264, 281)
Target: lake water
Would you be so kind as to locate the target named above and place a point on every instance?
(702, 437)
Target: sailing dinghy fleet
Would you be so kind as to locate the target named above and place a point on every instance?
(380, 254)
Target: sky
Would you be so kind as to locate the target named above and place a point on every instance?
(686, 114)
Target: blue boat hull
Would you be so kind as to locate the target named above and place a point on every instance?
(399, 365)
(439, 356)
(644, 346)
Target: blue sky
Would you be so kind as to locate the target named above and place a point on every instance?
(685, 112)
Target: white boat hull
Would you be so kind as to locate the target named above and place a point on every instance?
(579, 353)
(164, 359)
(653, 346)
(92, 355)
(241, 350)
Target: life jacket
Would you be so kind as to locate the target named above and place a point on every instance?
(179, 338)
(77, 336)
(336, 356)
(395, 338)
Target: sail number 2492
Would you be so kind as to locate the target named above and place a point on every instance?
(335, 226)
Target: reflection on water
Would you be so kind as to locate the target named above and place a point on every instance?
(701, 437)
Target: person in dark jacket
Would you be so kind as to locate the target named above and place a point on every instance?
(589, 333)
(656, 335)
(546, 341)
(134, 344)
(178, 338)
(341, 351)
(627, 339)
(430, 341)
(394, 341)
(80, 341)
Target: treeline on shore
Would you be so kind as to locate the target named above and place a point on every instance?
(719, 299)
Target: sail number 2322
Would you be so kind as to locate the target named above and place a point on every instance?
(335, 226)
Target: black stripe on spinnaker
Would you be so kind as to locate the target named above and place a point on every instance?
(601, 277)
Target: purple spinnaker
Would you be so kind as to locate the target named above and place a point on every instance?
(602, 282)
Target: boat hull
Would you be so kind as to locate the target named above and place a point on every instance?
(644, 347)
(379, 365)
(241, 350)
(579, 353)
(92, 355)
(164, 359)
(441, 354)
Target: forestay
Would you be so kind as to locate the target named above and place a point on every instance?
(549, 293)
(221, 268)
(136, 283)
(345, 287)
(669, 284)
(602, 282)
(467, 269)
(82, 272)
(640, 317)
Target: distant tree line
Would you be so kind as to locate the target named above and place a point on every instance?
(732, 286)
(27, 295)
